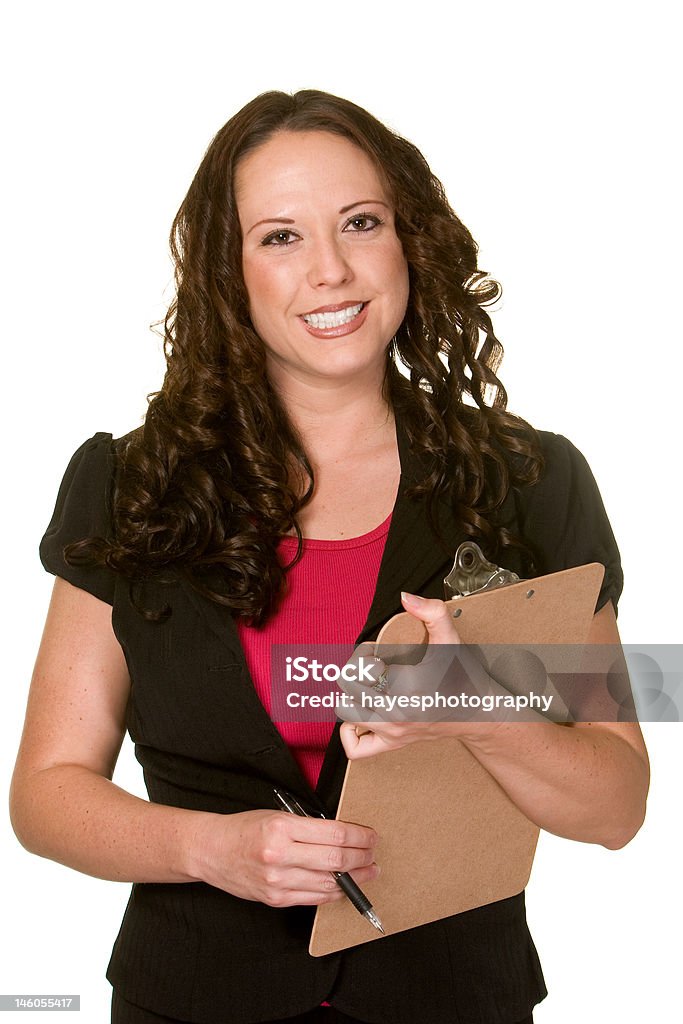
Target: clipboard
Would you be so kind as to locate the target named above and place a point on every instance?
(450, 837)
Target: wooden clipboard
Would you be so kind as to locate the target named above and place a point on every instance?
(450, 838)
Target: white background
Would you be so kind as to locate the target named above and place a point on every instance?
(554, 128)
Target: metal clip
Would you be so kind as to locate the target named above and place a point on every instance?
(472, 573)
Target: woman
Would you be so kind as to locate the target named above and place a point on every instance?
(314, 252)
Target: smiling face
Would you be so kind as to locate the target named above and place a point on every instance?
(324, 269)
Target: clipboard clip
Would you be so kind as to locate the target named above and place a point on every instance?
(472, 573)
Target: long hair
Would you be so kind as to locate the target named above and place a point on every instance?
(206, 487)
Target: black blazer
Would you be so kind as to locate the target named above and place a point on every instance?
(205, 742)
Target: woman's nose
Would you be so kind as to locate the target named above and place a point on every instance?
(329, 264)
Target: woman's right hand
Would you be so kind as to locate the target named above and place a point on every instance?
(281, 859)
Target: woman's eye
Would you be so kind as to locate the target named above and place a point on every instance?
(280, 238)
(362, 222)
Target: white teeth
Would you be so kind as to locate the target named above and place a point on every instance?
(338, 319)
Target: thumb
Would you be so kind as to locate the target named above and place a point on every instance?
(435, 615)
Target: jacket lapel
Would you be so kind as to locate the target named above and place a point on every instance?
(263, 735)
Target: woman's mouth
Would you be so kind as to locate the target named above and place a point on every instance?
(336, 321)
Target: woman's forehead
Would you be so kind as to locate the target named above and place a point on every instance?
(303, 168)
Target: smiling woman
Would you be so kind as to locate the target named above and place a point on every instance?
(329, 429)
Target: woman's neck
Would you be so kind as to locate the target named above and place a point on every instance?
(335, 421)
(349, 435)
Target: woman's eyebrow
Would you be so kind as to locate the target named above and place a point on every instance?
(363, 202)
(271, 220)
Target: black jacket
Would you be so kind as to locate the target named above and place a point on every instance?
(205, 742)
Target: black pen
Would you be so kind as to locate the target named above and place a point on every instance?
(360, 901)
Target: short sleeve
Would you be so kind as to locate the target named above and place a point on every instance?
(83, 510)
(565, 519)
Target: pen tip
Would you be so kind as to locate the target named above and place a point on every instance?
(375, 921)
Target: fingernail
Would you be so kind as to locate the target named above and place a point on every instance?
(410, 598)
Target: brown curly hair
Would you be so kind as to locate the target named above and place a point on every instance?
(205, 487)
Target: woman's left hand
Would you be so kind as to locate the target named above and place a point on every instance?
(388, 731)
(587, 782)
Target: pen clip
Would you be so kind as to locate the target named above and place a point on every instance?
(288, 802)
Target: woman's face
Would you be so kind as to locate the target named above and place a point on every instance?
(324, 269)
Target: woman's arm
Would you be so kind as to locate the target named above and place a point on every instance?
(62, 802)
(64, 805)
(585, 781)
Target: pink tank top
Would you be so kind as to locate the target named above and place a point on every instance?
(328, 598)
